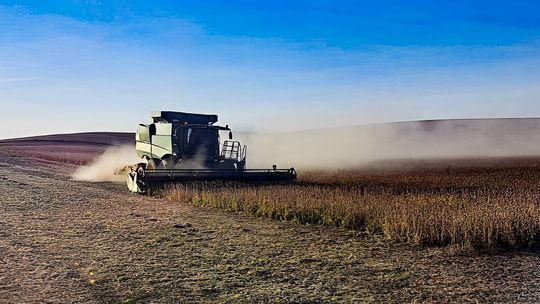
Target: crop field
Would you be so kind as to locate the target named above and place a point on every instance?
(467, 205)
(403, 231)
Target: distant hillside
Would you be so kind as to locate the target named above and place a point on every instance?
(90, 139)
(68, 149)
(506, 125)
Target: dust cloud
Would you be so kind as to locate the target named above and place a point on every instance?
(359, 146)
(102, 169)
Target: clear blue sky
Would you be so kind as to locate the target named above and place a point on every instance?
(68, 66)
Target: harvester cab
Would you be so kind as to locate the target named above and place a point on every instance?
(184, 140)
(180, 146)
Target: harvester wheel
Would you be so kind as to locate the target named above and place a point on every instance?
(153, 163)
(136, 179)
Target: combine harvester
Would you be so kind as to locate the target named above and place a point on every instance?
(182, 147)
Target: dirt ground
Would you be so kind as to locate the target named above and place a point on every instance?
(63, 241)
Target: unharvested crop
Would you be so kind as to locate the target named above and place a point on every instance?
(473, 205)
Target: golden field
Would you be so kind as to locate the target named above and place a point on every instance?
(469, 204)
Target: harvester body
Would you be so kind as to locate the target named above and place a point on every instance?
(179, 147)
(177, 140)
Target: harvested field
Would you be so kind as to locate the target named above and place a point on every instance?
(63, 241)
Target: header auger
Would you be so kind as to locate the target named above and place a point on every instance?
(184, 147)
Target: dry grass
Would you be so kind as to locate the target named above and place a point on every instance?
(479, 207)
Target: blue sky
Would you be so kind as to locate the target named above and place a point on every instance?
(69, 66)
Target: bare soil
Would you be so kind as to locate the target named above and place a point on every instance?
(63, 241)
